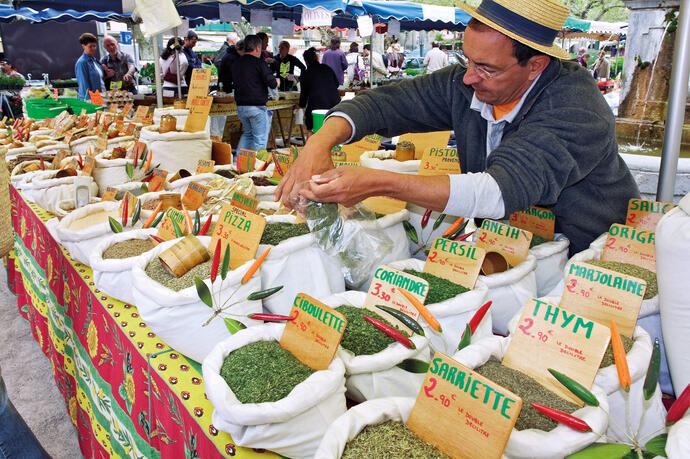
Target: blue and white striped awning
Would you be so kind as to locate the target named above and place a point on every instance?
(417, 16)
(9, 14)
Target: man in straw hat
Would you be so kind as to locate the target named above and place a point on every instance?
(531, 129)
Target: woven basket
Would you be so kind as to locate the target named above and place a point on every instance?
(6, 234)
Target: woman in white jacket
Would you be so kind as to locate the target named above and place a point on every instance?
(169, 65)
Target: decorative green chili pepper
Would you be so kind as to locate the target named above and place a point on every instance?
(176, 227)
(226, 262)
(438, 222)
(466, 338)
(197, 222)
(414, 366)
(261, 294)
(411, 232)
(115, 226)
(652, 377)
(137, 212)
(274, 180)
(157, 220)
(576, 388)
(458, 232)
(406, 320)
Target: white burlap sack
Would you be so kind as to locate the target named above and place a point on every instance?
(180, 185)
(672, 255)
(678, 442)
(53, 149)
(82, 145)
(49, 192)
(377, 160)
(376, 375)
(126, 141)
(111, 172)
(81, 244)
(114, 276)
(533, 443)
(21, 180)
(263, 193)
(453, 314)
(180, 115)
(509, 291)
(551, 258)
(177, 317)
(292, 426)
(176, 150)
(648, 318)
(350, 424)
(41, 132)
(645, 417)
(299, 265)
(26, 149)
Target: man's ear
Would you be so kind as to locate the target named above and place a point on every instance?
(537, 64)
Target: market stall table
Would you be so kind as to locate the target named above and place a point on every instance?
(100, 349)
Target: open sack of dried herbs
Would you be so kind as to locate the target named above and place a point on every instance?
(83, 229)
(266, 398)
(638, 411)
(649, 317)
(672, 255)
(372, 357)
(551, 256)
(172, 307)
(391, 160)
(263, 183)
(113, 258)
(376, 428)
(178, 181)
(452, 304)
(177, 150)
(297, 263)
(535, 435)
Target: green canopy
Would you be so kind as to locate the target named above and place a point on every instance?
(215, 27)
(577, 24)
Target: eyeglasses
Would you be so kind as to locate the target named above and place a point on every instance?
(485, 74)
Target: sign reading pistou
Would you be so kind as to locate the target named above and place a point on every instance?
(549, 336)
(462, 413)
(439, 161)
(314, 333)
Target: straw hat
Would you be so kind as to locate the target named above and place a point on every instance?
(533, 23)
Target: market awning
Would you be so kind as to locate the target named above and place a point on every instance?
(412, 16)
(9, 14)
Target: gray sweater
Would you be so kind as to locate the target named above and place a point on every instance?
(560, 152)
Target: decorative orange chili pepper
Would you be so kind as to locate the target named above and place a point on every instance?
(452, 228)
(153, 215)
(620, 358)
(430, 319)
(188, 220)
(254, 267)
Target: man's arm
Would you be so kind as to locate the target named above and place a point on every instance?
(269, 78)
(298, 63)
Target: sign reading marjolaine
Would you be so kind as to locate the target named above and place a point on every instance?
(315, 332)
(513, 243)
(548, 336)
(462, 413)
(384, 291)
(601, 294)
(626, 244)
(455, 261)
(241, 230)
(536, 220)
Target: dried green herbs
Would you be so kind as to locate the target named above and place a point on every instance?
(361, 337)
(538, 240)
(275, 233)
(608, 355)
(157, 272)
(127, 249)
(530, 391)
(390, 440)
(632, 270)
(439, 289)
(262, 372)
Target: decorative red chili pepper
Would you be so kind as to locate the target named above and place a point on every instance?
(43, 165)
(270, 317)
(679, 407)
(425, 218)
(125, 211)
(392, 332)
(464, 236)
(275, 160)
(478, 316)
(147, 178)
(81, 161)
(207, 225)
(216, 262)
(564, 418)
(156, 238)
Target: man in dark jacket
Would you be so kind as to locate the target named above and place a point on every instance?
(225, 67)
(531, 130)
(319, 87)
(192, 58)
(284, 67)
(251, 79)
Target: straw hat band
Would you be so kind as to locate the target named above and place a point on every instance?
(517, 23)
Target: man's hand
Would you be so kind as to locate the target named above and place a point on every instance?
(346, 185)
(109, 73)
(126, 77)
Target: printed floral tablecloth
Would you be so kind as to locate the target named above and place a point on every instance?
(99, 351)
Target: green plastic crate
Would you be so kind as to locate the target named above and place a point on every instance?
(77, 105)
(43, 108)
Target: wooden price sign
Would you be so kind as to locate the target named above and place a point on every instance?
(241, 230)
(425, 140)
(536, 220)
(630, 245)
(354, 150)
(601, 295)
(158, 179)
(646, 214)
(439, 161)
(89, 164)
(246, 160)
(455, 261)
(130, 129)
(204, 166)
(96, 98)
(384, 291)
(166, 230)
(513, 243)
(55, 94)
(315, 332)
(345, 163)
(194, 196)
(198, 87)
(384, 205)
(102, 142)
(140, 114)
(138, 150)
(59, 157)
(198, 114)
(243, 201)
(562, 340)
(126, 108)
(462, 413)
(109, 194)
(284, 161)
(221, 153)
(131, 203)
